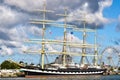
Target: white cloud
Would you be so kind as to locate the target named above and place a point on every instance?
(17, 37)
(50, 48)
(105, 3)
(10, 17)
(35, 30)
(20, 33)
(7, 16)
(91, 17)
(75, 8)
(6, 51)
(74, 39)
(27, 5)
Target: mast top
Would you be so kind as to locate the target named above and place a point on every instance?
(44, 8)
(65, 14)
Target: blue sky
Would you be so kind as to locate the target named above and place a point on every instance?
(110, 30)
(15, 15)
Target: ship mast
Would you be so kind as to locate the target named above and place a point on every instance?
(82, 61)
(65, 35)
(43, 34)
(95, 49)
(84, 57)
(43, 22)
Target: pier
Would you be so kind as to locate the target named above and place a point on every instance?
(6, 73)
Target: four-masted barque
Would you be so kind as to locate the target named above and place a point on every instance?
(63, 64)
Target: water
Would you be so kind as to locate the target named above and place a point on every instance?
(88, 77)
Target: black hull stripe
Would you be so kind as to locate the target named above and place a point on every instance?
(40, 72)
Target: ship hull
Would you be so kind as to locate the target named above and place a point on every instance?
(64, 72)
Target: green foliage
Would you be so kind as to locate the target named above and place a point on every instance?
(9, 65)
(21, 62)
(119, 68)
(32, 64)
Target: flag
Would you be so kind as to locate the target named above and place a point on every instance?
(71, 32)
(71, 35)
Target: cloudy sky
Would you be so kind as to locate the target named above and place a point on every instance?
(15, 27)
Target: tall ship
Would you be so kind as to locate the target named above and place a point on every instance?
(64, 63)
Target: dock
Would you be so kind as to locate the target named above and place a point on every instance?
(6, 73)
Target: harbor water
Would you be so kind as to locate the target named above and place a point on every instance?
(88, 77)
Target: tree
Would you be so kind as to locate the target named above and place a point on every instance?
(32, 64)
(9, 65)
(119, 68)
(21, 62)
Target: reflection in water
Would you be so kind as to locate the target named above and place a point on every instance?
(86, 77)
